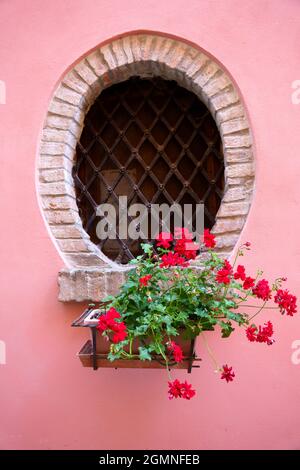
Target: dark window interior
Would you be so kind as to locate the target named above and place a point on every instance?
(154, 142)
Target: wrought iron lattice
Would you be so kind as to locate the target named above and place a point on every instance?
(154, 142)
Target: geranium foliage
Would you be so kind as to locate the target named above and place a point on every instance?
(167, 293)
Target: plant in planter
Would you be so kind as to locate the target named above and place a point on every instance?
(167, 301)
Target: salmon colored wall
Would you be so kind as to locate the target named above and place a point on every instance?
(47, 400)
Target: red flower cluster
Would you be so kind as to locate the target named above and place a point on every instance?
(176, 350)
(240, 273)
(248, 283)
(108, 321)
(186, 248)
(172, 259)
(262, 334)
(223, 275)
(180, 390)
(262, 290)
(208, 239)
(286, 302)
(144, 280)
(184, 244)
(164, 239)
(227, 373)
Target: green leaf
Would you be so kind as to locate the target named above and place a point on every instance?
(108, 298)
(147, 248)
(207, 325)
(112, 356)
(158, 307)
(141, 330)
(171, 331)
(227, 329)
(166, 319)
(201, 312)
(182, 317)
(236, 317)
(144, 354)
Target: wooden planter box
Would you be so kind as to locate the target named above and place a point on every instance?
(94, 352)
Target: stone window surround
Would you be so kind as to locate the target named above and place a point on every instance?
(89, 274)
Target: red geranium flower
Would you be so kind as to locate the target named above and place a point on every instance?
(174, 389)
(222, 276)
(120, 332)
(172, 259)
(186, 248)
(251, 333)
(286, 302)
(227, 373)
(262, 334)
(113, 313)
(262, 290)
(248, 283)
(180, 390)
(108, 322)
(184, 244)
(228, 266)
(240, 273)
(208, 239)
(144, 280)
(176, 351)
(164, 239)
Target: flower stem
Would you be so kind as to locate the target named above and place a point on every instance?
(249, 319)
(258, 306)
(210, 353)
(166, 360)
(128, 355)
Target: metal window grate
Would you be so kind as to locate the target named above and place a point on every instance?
(154, 142)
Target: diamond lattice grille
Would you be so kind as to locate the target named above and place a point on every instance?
(154, 142)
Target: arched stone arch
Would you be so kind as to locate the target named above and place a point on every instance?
(88, 273)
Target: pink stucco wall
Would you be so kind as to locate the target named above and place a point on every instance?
(47, 400)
